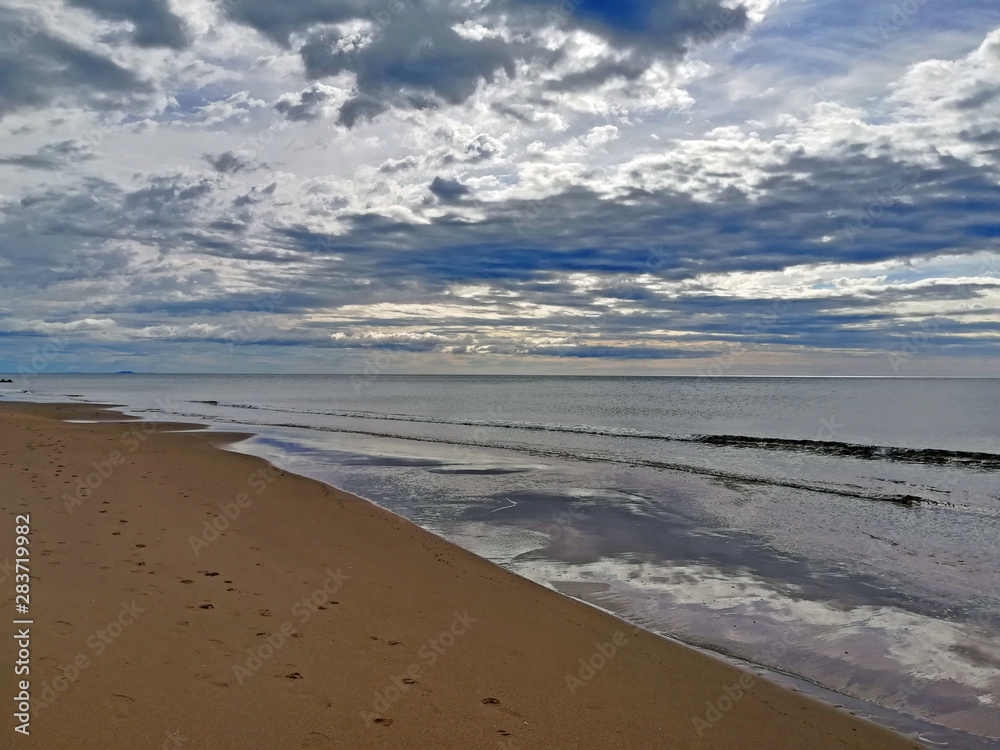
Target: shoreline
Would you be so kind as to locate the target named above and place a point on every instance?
(420, 626)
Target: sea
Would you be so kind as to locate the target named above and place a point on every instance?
(838, 535)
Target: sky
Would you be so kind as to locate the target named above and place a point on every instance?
(634, 187)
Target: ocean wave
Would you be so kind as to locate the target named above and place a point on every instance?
(968, 459)
(902, 499)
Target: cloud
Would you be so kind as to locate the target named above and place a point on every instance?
(448, 191)
(51, 156)
(655, 27)
(359, 109)
(38, 68)
(419, 55)
(391, 166)
(418, 59)
(305, 105)
(629, 187)
(154, 25)
(227, 163)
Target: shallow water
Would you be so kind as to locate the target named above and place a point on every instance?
(841, 531)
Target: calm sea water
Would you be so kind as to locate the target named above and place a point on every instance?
(840, 534)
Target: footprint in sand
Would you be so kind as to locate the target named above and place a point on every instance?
(208, 678)
(122, 706)
(316, 741)
(49, 667)
(220, 648)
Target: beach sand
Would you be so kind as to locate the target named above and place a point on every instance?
(315, 619)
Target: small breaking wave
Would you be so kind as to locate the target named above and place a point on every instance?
(819, 487)
(938, 456)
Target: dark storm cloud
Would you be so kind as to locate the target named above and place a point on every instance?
(659, 27)
(227, 162)
(279, 19)
(416, 54)
(360, 109)
(597, 75)
(50, 157)
(154, 25)
(415, 58)
(984, 96)
(37, 69)
(163, 192)
(448, 191)
(874, 209)
(304, 106)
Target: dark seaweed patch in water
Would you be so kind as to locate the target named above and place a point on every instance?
(852, 450)
(391, 461)
(473, 470)
(970, 459)
(901, 500)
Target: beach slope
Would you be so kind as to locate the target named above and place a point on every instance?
(196, 598)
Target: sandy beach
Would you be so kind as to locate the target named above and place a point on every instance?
(185, 596)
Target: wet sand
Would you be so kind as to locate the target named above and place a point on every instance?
(199, 598)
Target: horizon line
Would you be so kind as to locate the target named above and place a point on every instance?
(694, 376)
